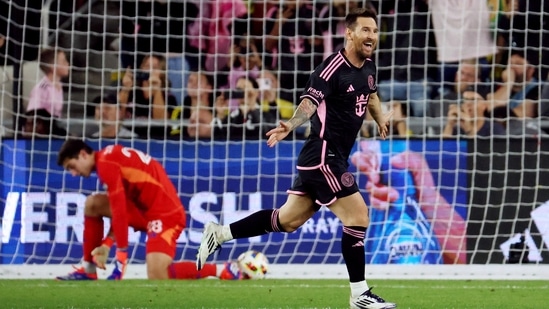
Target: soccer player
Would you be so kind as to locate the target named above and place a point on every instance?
(140, 194)
(335, 101)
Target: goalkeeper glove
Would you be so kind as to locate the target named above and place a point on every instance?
(119, 265)
(101, 253)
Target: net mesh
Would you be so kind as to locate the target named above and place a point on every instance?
(472, 191)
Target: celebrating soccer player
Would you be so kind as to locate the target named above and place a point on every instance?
(335, 101)
(140, 195)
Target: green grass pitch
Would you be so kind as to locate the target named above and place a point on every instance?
(270, 293)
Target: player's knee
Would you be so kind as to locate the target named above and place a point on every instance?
(90, 206)
(96, 205)
(157, 265)
(155, 273)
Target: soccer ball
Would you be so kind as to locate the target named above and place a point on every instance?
(253, 264)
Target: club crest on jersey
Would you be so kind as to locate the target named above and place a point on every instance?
(371, 82)
(361, 103)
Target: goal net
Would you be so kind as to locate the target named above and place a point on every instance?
(439, 190)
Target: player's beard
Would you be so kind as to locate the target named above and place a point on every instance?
(363, 54)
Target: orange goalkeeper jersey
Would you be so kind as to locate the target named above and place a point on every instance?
(131, 175)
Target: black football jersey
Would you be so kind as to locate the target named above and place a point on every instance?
(341, 92)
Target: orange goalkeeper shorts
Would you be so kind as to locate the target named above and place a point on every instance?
(162, 233)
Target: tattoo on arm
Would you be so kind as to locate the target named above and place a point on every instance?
(303, 113)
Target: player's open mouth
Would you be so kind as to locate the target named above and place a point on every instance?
(369, 46)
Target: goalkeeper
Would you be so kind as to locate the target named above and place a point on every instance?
(97, 206)
(140, 195)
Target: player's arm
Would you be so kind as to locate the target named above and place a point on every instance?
(304, 111)
(374, 107)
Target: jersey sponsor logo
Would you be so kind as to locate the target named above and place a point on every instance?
(361, 103)
(315, 93)
(351, 88)
(347, 179)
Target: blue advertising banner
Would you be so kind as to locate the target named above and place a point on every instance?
(42, 205)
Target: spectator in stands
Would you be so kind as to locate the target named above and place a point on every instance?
(462, 31)
(151, 97)
(2, 48)
(467, 77)
(245, 61)
(271, 101)
(200, 123)
(196, 109)
(48, 93)
(519, 91)
(469, 118)
(4, 12)
(160, 27)
(332, 24)
(110, 114)
(39, 123)
(293, 45)
(405, 72)
(523, 24)
(544, 101)
(246, 122)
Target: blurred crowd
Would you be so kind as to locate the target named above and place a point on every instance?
(232, 69)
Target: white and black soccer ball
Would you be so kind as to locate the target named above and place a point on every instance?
(253, 264)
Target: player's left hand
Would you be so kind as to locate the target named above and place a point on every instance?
(277, 134)
(383, 125)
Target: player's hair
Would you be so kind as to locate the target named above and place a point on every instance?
(48, 58)
(70, 150)
(354, 14)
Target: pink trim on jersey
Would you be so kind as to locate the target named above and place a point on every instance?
(321, 112)
(332, 67)
(330, 178)
(310, 97)
(346, 62)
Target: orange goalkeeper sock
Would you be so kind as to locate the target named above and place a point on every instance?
(187, 270)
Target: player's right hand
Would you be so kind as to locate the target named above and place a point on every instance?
(120, 263)
(100, 255)
(277, 134)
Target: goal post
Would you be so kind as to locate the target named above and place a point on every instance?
(440, 207)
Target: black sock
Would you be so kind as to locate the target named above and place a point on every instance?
(258, 223)
(352, 248)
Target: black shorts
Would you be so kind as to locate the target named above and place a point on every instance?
(325, 184)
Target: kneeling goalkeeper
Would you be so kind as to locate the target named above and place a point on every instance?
(140, 195)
